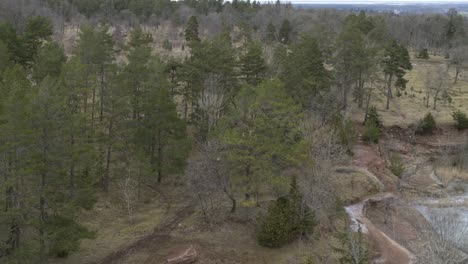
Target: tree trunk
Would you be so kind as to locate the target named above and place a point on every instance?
(160, 157)
(435, 99)
(42, 197)
(367, 106)
(72, 167)
(233, 201)
(457, 72)
(93, 102)
(101, 94)
(105, 183)
(389, 91)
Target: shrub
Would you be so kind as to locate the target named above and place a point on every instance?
(371, 134)
(65, 235)
(423, 54)
(426, 125)
(461, 119)
(275, 226)
(285, 220)
(346, 132)
(373, 117)
(396, 165)
(167, 45)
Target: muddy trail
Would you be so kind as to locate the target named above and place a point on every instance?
(372, 214)
(391, 252)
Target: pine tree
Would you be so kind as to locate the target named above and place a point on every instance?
(253, 65)
(304, 73)
(37, 30)
(191, 31)
(396, 62)
(261, 136)
(48, 62)
(270, 34)
(285, 31)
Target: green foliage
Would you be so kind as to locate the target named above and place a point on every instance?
(285, 32)
(275, 226)
(191, 31)
(346, 131)
(37, 30)
(371, 133)
(460, 119)
(48, 62)
(167, 45)
(263, 137)
(139, 38)
(253, 65)
(64, 235)
(373, 117)
(396, 165)
(286, 219)
(427, 125)
(423, 54)
(5, 59)
(270, 34)
(396, 60)
(304, 74)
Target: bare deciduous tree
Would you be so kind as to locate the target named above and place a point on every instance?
(444, 238)
(326, 152)
(212, 101)
(210, 180)
(437, 83)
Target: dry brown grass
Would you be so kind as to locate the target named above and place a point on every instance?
(450, 174)
(410, 108)
(352, 184)
(113, 228)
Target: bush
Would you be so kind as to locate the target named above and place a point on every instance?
(461, 119)
(65, 235)
(275, 226)
(346, 132)
(371, 134)
(373, 117)
(423, 54)
(427, 125)
(285, 220)
(167, 45)
(396, 165)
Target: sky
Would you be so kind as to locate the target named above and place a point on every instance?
(372, 1)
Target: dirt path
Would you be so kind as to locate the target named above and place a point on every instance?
(159, 235)
(391, 251)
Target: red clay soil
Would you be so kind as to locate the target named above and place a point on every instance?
(368, 156)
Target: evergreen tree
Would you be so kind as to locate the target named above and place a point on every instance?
(48, 62)
(36, 30)
(285, 31)
(304, 73)
(270, 34)
(396, 62)
(262, 137)
(253, 65)
(211, 82)
(191, 31)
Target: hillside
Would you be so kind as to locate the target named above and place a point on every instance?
(157, 131)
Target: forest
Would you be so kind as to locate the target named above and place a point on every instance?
(131, 130)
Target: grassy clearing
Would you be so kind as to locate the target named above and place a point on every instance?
(113, 228)
(409, 107)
